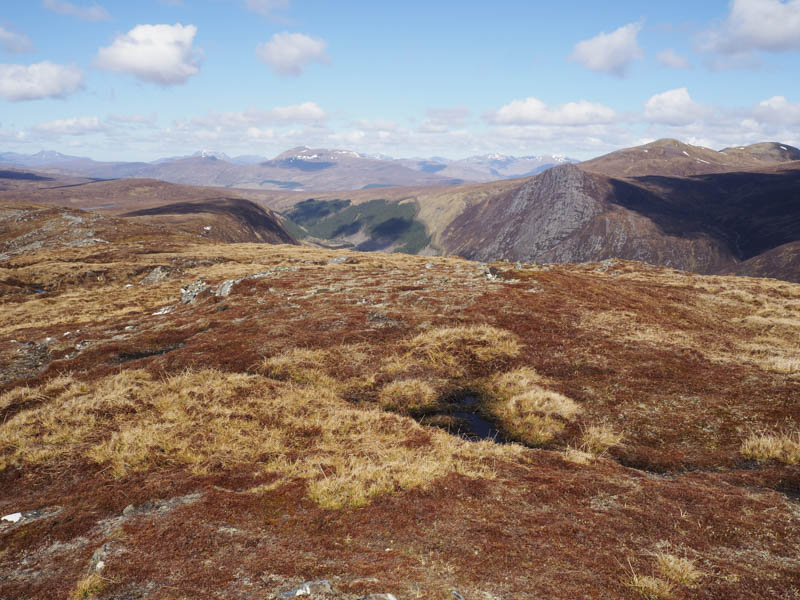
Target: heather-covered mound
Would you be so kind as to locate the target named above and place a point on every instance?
(185, 420)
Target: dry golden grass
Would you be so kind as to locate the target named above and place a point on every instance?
(649, 586)
(579, 457)
(597, 439)
(408, 396)
(525, 410)
(210, 421)
(516, 382)
(88, 587)
(783, 447)
(677, 569)
(447, 349)
(300, 365)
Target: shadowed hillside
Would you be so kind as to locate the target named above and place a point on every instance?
(192, 210)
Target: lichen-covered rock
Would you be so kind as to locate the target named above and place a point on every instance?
(190, 293)
(309, 588)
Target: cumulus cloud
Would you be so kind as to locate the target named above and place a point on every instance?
(777, 110)
(673, 107)
(161, 54)
(95, 12)
(74, 126)
(307, 112)
(13, 42)
(40, 80)
(267, 7)
(290, 53)
(377, 125)
(533, 111)
(149, 120)
(455, 114)
(768, 25)
(673, 60)
(610, 52)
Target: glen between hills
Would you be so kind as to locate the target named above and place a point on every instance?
(666, 203)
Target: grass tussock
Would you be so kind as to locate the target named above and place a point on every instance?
(579, 457)
(598, 439)
(88, 587)
(650, 587)
(299, 365)
(677, 569)
(450, 349)
(527, 411)
(210, 421)
(408, 396)
(782, 447)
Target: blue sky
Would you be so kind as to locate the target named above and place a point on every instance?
(120, 80)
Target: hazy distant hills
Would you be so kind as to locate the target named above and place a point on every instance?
(302, 169)
(665, 203)
(731, 211)
(489, 167)
(670, 157)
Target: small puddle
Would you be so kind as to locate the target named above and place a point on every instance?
(465, 421)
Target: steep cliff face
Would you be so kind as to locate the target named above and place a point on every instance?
(567, 215)
(526, 222)
(622, 233)
(707, 224)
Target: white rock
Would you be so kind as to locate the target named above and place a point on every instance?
(13, 517)
(100, 565)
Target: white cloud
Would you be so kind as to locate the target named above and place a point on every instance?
(74, 126)
(307, 111)
(267, 7)
(454, 115)
(161, 54)
(777, 110)
(673, 107)
(290, 53)
(768, 25)
(133, 119)
(13, 42)
(610, 52)
(433, 126)
(376, 125)
(95, 12)
(40, 80)
(673, 60)
(256, 133)
(534, 111)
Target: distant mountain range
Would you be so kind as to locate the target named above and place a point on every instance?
(301, 169)
(665, 203)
